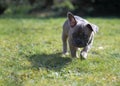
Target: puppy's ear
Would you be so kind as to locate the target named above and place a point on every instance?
(71, 19)
(93, 27)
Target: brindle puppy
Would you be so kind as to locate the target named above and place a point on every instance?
(80, 34)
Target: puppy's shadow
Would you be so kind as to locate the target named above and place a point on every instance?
(51, 61)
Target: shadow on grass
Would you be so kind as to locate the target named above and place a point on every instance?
(51, 61)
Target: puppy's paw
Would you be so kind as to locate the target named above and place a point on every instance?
(83, 55)
(65, 54)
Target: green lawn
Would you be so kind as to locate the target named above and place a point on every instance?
(30, 54)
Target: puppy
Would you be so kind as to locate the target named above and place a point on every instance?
(79, 33)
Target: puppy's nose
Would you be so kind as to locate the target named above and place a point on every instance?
(79, 42)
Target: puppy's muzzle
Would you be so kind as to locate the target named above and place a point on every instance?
(79, 43)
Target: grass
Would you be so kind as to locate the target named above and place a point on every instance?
(30, 54)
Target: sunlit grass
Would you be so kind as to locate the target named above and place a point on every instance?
(30, 54)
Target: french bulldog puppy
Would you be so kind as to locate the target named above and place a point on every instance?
(79, 33)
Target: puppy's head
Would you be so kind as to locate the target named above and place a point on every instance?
(81, 30)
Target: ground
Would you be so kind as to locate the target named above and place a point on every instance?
(30, 54)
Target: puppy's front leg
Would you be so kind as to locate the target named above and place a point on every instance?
(73, 51)
(64, 40)
(84, 52)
